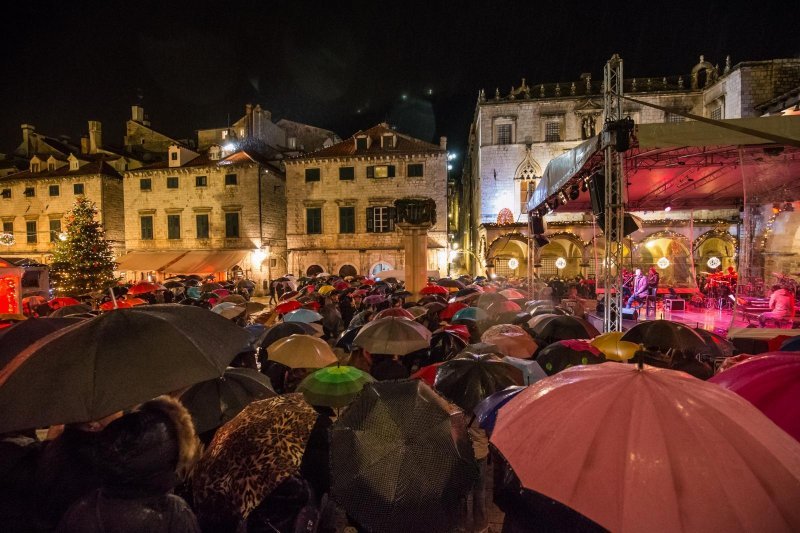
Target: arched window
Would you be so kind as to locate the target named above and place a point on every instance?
(380, 267)
(347, 270)
(313, 270)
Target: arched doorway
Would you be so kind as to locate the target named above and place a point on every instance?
(347, 270)
(313, 270)
(508, 254)
(379, 267)
(669, 253)
(715, 250)
(561, 257)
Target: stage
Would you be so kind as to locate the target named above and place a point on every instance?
(714, 320)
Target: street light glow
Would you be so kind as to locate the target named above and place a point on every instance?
(451, 156)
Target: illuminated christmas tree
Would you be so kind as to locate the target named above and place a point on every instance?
(83, 260)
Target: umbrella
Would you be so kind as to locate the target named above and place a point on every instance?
(466, 381)
(133, 302)
(302, 315)
(512, 294)
(563, 328)
(511, 340)
(650, 462)
(471, 313)
(195, 277)
(301, 351)
(333, 386)
(531, 370)
(251, 455)
(70, 310)
(445, 345)
(111, 305)
(234, 298)
(486, 411)
(245, 284)
(228, 310)
(557, 356)
(286, 307)
(22, 334)
(417, 311)
(428, 373)
(791, 344)
(771, 382)
(716, 345)
(394, 311)
(613, 348)
(341, 285)
(488, 298)
(435, 307)
(222, 293)
(665, 335)
(144, 287)
(450, 283)
(216, 401)
(393, 335)
(289, 295)
(451, 309)
(502, 307)
(345, 340)
(114, 361)
(434, 289)
(374, 299)
(368, 282)
(62, 301)
(284, 329)
(210, 286)
(174, 284)
(325, 289)
(401, 459)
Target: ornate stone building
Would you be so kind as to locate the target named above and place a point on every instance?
(341, 203)
(514, 136)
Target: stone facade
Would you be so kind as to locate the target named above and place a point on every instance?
(361, 251)
(514, 136)
(241, 184)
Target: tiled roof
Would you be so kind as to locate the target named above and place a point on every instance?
(95, 167)
(347, 148)
(203, 160)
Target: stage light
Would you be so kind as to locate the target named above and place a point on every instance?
(663, 263)
(561, 262)
(562, 197)
(513, 263)
(574, 192)
(668, 208)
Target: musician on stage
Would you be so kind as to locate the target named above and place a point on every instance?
(733, 278)
(652, 281)
(781, 306)
(639, 287)
(627, 279)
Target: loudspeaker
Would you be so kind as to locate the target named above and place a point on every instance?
(629, 225)
(676, 304)
(536, 225)
(597, 193)
(629, 314)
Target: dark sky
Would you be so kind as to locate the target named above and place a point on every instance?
(339, 65)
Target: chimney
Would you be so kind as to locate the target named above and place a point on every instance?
(248, 120)
(137, 113)
(84, 144)
(95, 136)
(28, 139)
(443, 143)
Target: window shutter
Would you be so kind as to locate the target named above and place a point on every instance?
(392, 215)
(390, 169)
(370, 172)
(370, 218)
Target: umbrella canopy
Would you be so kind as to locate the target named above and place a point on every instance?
(287, 307)
(502, 307)
(510, 340)
(228, 309)
(791, 345)
(417, 311)
(401, 458)
(427, 373)
(650, 462)
(105, 364)
(394, 311)
(486, 411)
(471, 313)
(393, 335)
(70, 310)
(284, 329)
(62, 301)
(450, 283)
(466, 381)
(234, 298)
(434, 289)
(559, 355)
(716, 345)
(133, 302)
(305, 316)
(665, 335)
(301, 351)
(374, 299)
(333, 386)
(435, 307)
(210, 287)
(216, 401)
(22, 334)
(512, 294)
(771, 382)
(531, 370)
(246, 284)
(488, 298)
(326, 289)
(563, 328)
(252, 454)
(144, 287)
(345, 340)
(451, 309)
(111, 305)
(613, 347)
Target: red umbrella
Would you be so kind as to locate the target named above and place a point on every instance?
(62, 301)
(434, 289)
(448, 312)
(109, 306)
(144, 287)
(341, 285)
(460, 330)
(505, 306)
(287, 307)
(394, 311)
(368, 282)
(427, 373)
(134, 301)
(359, 292)
(314, 306)
(289, 295)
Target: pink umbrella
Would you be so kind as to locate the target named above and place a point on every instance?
(771, 382)
(511, 340)
(512, 294)
(643, 450)
(222, 293)
(500, 307)
(394, 311)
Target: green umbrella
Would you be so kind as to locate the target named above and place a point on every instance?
(333, 386)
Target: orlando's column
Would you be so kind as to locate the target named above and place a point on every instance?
(415, 216)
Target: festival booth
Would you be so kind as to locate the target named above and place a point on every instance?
(740, 174)
(10, 288)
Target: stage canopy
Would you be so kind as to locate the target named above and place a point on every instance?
(686, 165)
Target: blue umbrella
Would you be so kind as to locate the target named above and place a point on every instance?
(193, 292)
(531, 370)
(302, 315)
(470, 313)
(486, 411)
(791, 345)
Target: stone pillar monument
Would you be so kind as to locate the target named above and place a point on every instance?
(415, 216)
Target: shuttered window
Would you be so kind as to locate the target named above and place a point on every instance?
(380, 219)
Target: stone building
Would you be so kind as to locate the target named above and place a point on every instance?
(514, 136)
(341, 198)
(205, 214)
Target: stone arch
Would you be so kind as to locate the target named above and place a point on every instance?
(379, 267)
(506, 248)
(715, 243)
(313, 270)
(703, 69)
(347, 269)
(676, 247)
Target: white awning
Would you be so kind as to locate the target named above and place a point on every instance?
(561, 169)
(207, 262)
(147, 261)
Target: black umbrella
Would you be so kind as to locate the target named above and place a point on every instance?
(564, 327)
(447, 282)
(435, 307)
(716, 345)
(70, 310)
(468, 380)
(214, 402)
(444, 345)
(22, 334)
(401, 459)
(557, 356)
(345, 340)
(246, 284)
(195, 277)
(664, 335)
(173, 284)
(114, 361)
(466, 292)
(190, 282)
(480, 348)
(285, 329)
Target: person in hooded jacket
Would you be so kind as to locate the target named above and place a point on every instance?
(140, 459)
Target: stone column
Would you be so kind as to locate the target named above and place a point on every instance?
(415, 240)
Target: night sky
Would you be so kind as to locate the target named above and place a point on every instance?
(339, 65)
